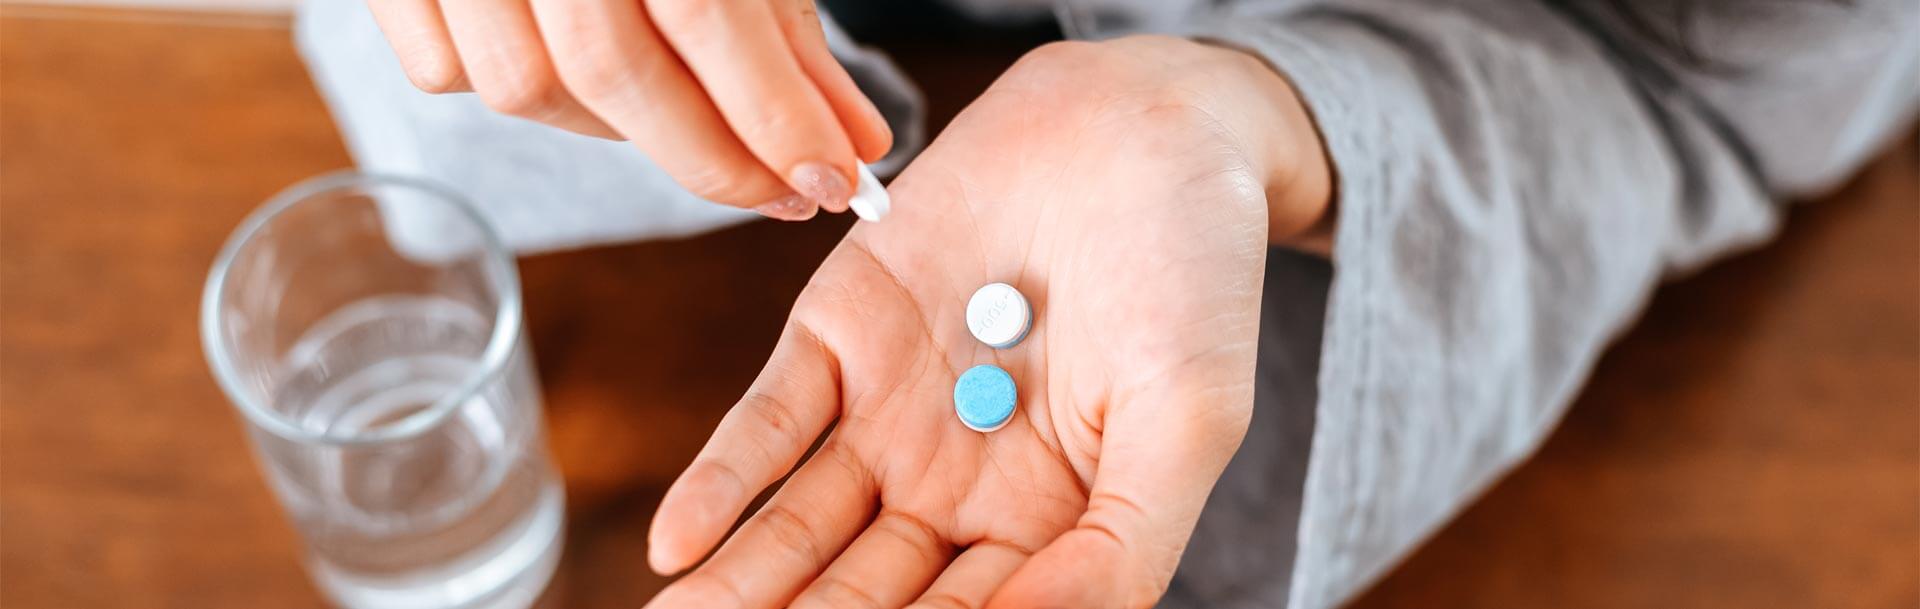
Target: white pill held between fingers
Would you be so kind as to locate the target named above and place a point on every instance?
(998, 315)
(870, 200)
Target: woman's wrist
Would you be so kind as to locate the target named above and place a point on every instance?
(1283, 144)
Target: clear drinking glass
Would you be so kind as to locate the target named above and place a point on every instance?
(369, 330)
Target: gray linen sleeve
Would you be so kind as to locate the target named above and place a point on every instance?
(1513, 179)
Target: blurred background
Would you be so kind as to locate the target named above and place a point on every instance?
(1754, 441)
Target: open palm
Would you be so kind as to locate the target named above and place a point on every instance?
(1137, 231)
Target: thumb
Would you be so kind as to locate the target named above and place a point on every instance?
(1159, 459)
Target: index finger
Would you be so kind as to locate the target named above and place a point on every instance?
(786, 409)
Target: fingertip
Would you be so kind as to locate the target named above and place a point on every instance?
(665, 555)
(668, 548)
(663, 563)
(435, 72)
(791, 208)
(875, 146)
(692, 517)
(827, 185)
(874, 138)
(418, 35)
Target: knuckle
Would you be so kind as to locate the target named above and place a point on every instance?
(599, 74)
(841, 594)
(912, 532)
(770, 124)
(770, 429)
(599, 77)
(797, 14)
(808, 13)
(726, 472)
(846, 461)
(530, 92)
(773, 415)
(714, 184)
(791, 532)
(683, 13)
(942, 600)
(1113, 506)
(432, 72)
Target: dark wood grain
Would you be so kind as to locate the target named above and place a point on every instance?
(1752, 443)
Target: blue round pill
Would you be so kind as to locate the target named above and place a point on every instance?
(984, 398)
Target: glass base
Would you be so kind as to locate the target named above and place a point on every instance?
(511, 578)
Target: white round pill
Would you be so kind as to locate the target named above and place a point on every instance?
(870, 200)
(998, 315)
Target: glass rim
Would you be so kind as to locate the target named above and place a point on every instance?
(493, 359)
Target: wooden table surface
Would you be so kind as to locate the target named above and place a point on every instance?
(1753, 442)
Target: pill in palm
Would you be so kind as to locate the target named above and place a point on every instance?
(998, 315)
(984, 397)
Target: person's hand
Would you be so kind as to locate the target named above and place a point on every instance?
(1120, 186)
(739, 100)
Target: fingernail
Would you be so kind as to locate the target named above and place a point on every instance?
(792, 208)
(826, 186)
